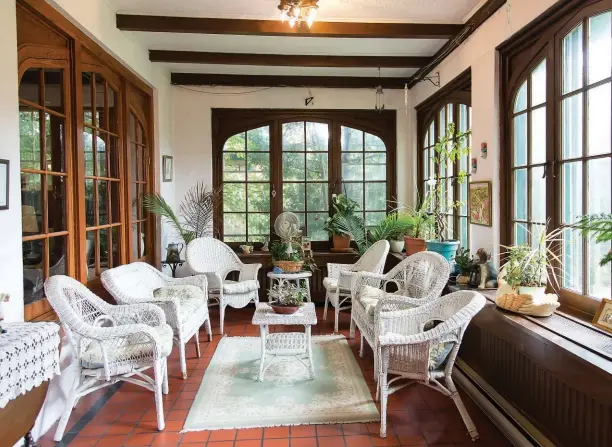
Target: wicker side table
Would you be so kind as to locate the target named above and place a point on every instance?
(285, 343)
(293, 277)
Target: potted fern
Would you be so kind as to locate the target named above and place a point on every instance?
(420, 225)
(343, 222)
(392, 228)
(449, 148)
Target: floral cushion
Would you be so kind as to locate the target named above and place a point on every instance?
(138, 347)
(191, 299)
(369, 297)
(237, 288)
(439, 351)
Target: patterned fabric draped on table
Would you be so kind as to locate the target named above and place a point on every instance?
(29, 355)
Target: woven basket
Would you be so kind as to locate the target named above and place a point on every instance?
(289, 266)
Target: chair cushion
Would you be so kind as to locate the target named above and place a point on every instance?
(192, 299)
(237, 288)
(331, 285)
(438, 354)
(92, 357)
(369, 298)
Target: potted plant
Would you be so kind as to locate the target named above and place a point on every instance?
(419, 227)
(294, 262)
(465, 263)
(285, 298)
(343, 222)
(449, 148)
(392, 228)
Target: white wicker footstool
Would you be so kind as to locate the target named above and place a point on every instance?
(285, 343)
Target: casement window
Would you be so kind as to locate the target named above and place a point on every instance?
(450, 105)
(268, 162)
(85, 158)
(558, 159)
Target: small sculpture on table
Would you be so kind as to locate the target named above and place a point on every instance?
(487, 271)
(266, 244)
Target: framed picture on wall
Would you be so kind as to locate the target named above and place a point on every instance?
(603, 317)
(167, 168)
(481, 209)
(4, 184)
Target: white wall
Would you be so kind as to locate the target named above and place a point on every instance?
(192, 124)
(478, 52)
(11, 267)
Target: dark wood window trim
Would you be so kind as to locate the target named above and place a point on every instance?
(519, 55)
(456, 93)
(229, 122)
(46, 39)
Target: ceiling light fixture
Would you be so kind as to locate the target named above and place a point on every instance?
(298, 11)
(380, 95)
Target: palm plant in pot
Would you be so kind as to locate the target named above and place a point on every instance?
(449, 148)
(392, 228)
(344, 222)
(285, 298)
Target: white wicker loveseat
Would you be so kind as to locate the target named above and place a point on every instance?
(421, 276)
(341, 277)
(421, 344)
(111, 343)
(185, 313)
(211, 257)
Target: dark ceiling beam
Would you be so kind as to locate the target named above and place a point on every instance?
(202, 25)
(474, 22)
(286, 60)
(285, 81)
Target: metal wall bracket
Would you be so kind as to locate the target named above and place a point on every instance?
(434, 79)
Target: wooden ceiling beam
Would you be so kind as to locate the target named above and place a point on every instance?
(202, 25)
(286, 60)
(285, 81)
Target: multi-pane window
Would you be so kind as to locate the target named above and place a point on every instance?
(560, 157)
(292, 162)
(103, 219)
(306, 175)
(455, 195)
(139, 165)
(45, 177)
(246, 186)
(364, 173)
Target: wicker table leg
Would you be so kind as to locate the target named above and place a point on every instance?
(309, 347)
(263, 332)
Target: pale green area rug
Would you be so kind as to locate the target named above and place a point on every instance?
(230, 397)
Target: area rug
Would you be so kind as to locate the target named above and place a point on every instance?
(230, 396)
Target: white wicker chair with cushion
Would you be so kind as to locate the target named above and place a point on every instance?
(184, 300)
(213, 258)
(111, 343)
(340, 278)
(421, 344)
(421, 276)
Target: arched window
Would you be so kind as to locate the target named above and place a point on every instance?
(557, 132)
(278, 161)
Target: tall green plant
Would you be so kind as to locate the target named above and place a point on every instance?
(599, 227)
(196, 211)
(449, 148)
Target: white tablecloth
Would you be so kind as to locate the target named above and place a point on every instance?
(29, 355)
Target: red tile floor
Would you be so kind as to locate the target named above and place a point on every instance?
(418, 416)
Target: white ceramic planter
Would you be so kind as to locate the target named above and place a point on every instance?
(396, 246)
(533, 291)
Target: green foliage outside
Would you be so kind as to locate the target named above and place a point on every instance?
(598, 227)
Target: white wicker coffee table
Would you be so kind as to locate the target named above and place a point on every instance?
(295, 344)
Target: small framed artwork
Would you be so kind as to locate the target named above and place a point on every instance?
(4, 184)
(167, 168)
(603, 317)
(481, 204)
(306, 244)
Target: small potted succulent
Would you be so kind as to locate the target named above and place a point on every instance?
(286, 298)
(465, 264)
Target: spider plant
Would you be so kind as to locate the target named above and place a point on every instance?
(598, 226)
(196, 211)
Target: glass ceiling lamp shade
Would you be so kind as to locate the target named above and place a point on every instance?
(298, 11)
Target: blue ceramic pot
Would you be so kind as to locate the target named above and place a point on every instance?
(448, 249)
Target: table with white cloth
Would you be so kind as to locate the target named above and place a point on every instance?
(29, 358)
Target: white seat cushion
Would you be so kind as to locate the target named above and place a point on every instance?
(192, 299)
(237, 288)
(331, 285)
(369, 297)
(93, 358)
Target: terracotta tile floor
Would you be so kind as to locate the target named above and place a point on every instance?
(418, 416)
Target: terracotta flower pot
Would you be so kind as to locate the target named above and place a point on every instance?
(414, 245)
(341, 242)
(285, 310)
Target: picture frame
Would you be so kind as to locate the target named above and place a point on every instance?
(4, 184)
(481, 203)
(167, 168)
(306, 244)
(603, 317)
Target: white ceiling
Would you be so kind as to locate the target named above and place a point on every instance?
(405, 11)
(424, 11)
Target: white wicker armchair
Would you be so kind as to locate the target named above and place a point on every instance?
(213, 258)
(136, 282)
(421, 276)
(340, 278)
(111, 343)
(406, 347)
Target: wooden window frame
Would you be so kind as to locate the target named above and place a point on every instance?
(47, 39)
(456, 93)
(519, 56)
(228, 122)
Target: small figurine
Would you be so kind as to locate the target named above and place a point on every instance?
(246, 249)
(266, 244)
(488, 273)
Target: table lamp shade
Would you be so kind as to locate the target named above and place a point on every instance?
(29, 219)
